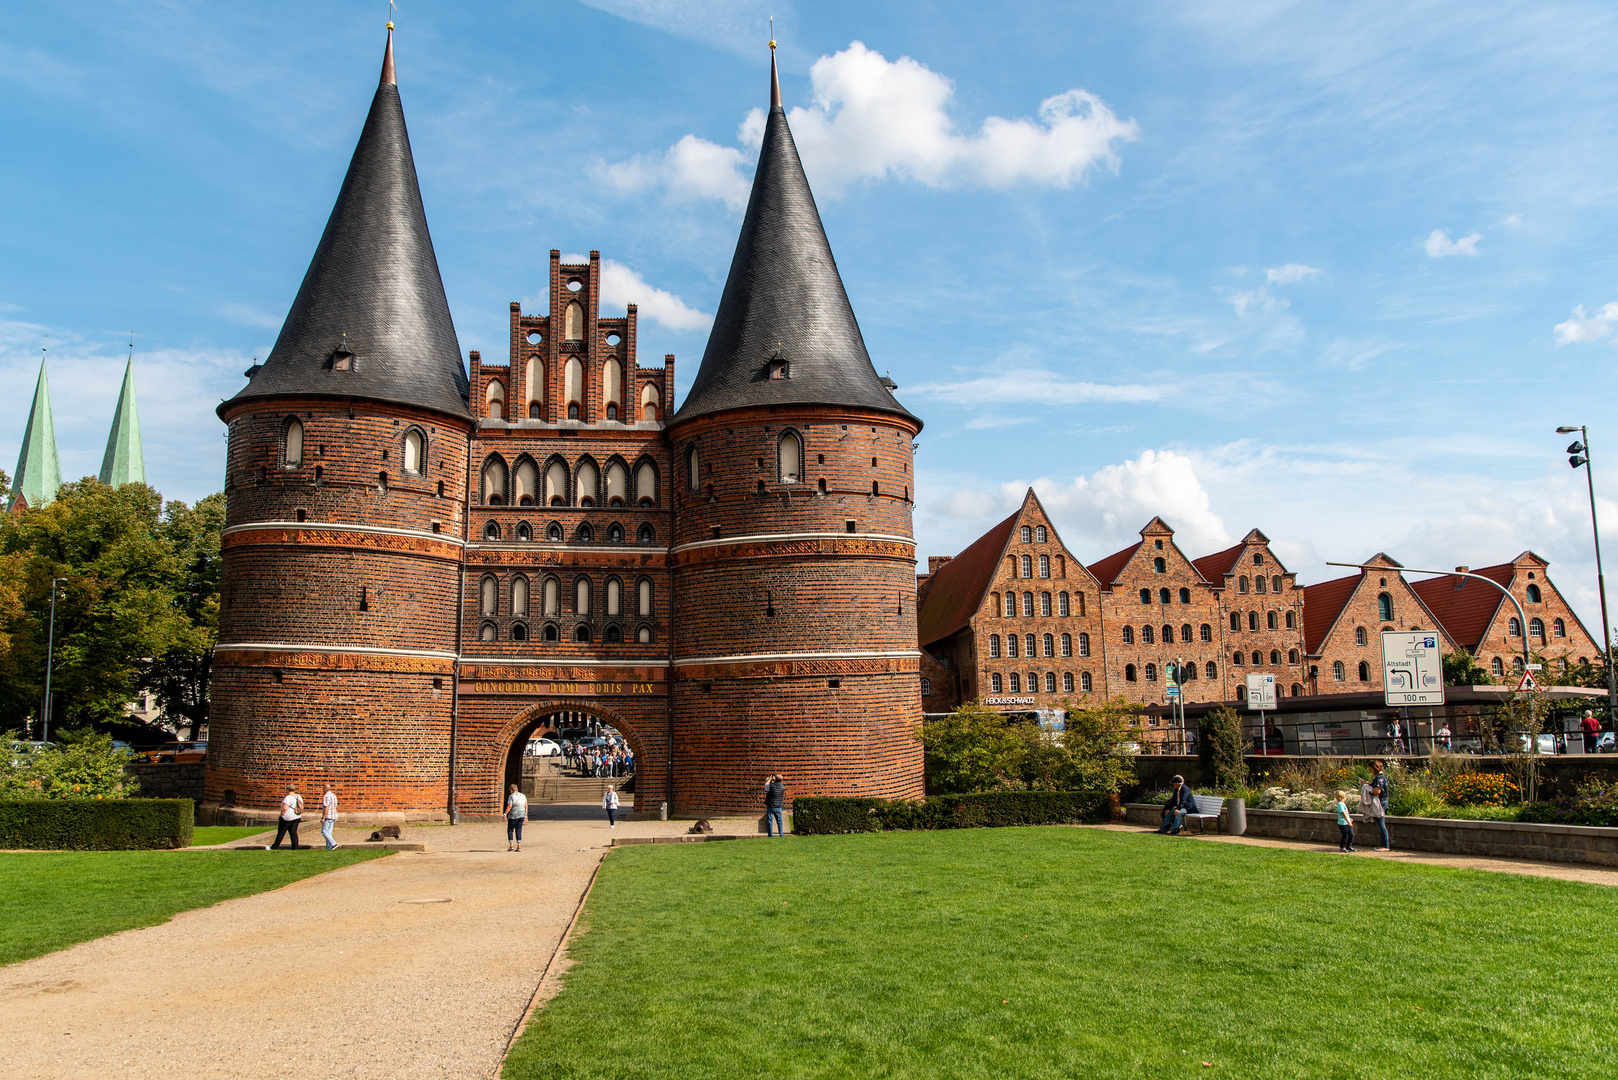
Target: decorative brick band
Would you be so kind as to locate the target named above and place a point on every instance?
(307, 534)
(525, 556)
(788, 665)
(318, 659)
(796, 546)
(547, 687)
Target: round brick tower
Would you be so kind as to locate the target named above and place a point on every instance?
(794, 554)
(345, 478)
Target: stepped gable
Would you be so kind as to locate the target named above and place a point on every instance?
(784, 301)
(39, 470)
(956, 591)
(372, 289)
(124, 461)
(1465, 609)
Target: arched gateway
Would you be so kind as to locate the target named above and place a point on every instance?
(557, 715)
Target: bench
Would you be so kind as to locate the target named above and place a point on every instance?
(1208, 807)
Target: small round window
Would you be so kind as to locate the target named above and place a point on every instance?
(575, 285)
(534, 338)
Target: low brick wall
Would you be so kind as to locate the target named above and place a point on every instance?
(1558, 775)
(169, 781)
(1486, 839)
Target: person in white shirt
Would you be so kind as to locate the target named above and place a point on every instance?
(516, 814)
(291, 815)
(609, 802)
(328, 817)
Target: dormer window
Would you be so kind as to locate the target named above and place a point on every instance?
(779, 368)
(342, 360)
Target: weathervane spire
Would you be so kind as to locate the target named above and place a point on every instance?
(387, 57)
(775, 77)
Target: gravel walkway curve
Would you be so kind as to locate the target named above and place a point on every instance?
(334, 976)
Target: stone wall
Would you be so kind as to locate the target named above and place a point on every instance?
(1486, 839)
(168, 781)
(1558, 775)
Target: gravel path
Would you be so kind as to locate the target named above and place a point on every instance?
(335, 976)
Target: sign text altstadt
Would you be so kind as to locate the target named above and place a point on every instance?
(1412, 667)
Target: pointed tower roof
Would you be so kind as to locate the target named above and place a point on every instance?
(784, 302)
(39, 471)
(124, 462)
(371, 320)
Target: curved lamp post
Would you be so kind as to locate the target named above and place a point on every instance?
(1579, 456)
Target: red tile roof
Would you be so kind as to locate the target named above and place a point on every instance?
(1322, 604)
(1464, 608)
(1106, 570)
(956, 592)
(1213, 568)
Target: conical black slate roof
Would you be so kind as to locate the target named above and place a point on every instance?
(372, 290)
(784, 300)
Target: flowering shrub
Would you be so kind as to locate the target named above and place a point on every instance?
(91, 768)
(1481, 789)
(1279, 798)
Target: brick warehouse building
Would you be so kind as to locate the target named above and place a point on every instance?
(422, 567)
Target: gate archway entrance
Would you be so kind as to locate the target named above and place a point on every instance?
(545, 781)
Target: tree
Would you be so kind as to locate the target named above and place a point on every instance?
(1221, 749)
(1463, 669)
(137, 587)
(180, 676)
(975, 749)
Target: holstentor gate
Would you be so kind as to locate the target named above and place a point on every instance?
(418, 562)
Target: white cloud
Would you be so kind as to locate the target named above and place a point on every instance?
(1352, 354)
(1439, 245)
(1096, 514)
(1290, 273)
(1585, 327)
(621, 286)
(1037, 387)
(1511, 221)
(1255, 301)
(872, 119)
(692, 168)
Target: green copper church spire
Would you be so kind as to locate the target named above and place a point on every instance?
(39, 472)
(124, 463)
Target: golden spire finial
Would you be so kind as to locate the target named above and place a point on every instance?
(392, 7)
(772, 33)
(775, 78)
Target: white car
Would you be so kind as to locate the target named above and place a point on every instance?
(543, 748)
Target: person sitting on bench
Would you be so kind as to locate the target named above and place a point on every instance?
(1180, 803)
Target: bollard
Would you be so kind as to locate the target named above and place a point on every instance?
(663, 810)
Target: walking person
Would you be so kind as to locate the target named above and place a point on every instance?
(1374, 803)
(775, 799)
(609, 802)
(291, 817)
(1345, 824)
(328, 817)
(516, 814)
(1444, 736)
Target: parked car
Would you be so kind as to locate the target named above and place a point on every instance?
(543, 748)
(1607, 744)
(177, 753)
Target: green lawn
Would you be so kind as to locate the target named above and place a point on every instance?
(51, 900)
(1063, 952)
(224, 834)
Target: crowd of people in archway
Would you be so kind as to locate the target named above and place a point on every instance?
(612, 758)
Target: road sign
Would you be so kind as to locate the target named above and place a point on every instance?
(1527, 682)
(1172, 691)
(1261, 692)
(1412, 668)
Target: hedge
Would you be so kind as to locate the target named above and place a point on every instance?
(814, 815)
(96, 824)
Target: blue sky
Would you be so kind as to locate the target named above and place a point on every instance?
(1333, 271)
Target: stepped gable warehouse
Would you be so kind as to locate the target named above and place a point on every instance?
(423, 566)
(1017, 622)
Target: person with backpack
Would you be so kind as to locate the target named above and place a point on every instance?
(1374, 803)
(291, 817)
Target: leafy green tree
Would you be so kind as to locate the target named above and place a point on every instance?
(1462, 669)
(179, 677)
(1221, 749)
(974, 749)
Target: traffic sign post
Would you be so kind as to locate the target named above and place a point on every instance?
(1261, 696)
(1412, 668)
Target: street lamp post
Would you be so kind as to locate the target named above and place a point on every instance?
(1579, 454)
(50, 660)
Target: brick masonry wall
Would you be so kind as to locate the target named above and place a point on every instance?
(1248, 592)
(1121, 607)
(1499, 644)
(972, 649)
